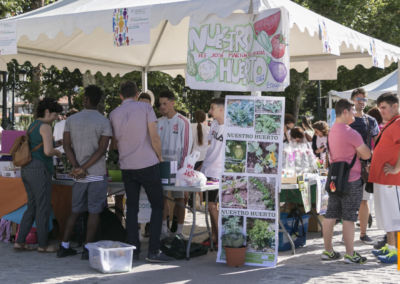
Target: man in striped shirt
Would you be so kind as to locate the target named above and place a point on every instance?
(176, 139)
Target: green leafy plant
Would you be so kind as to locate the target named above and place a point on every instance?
(267, 124)
(267, 197)
(112, 160)
(235, 156)
(261, 236)
(241, 113)
(233, 236)
(234, 192)
(262, 157)
(268, 106)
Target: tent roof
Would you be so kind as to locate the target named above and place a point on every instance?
(78, 34)
(388, 83)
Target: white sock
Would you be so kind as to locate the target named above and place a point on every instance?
(391, 247)
(179, 229)
(164, 228)
(65, 245)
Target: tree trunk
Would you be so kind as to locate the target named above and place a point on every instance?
(37, 4)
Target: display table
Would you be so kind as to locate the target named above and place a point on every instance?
(294, 188)
(12, 195)
(66, 204)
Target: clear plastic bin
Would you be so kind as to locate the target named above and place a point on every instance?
(110, 256)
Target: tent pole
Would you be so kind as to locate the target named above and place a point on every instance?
(398, 78)
(144, 80)
(319, 99)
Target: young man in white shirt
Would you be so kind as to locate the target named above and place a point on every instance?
(176, 139)
(213, 162)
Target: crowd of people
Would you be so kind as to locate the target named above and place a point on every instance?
(143, 141)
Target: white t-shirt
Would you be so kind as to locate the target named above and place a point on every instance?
(176, 138)
(201, 148)
(213, 162)
(58, 133)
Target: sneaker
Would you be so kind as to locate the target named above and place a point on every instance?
(165, 235)
(63, 252)
(390, 258)
(381, 243)
(367, 240)
(182, 236)
(85, 254)
(158, 257)
(383, 251)
(330, 255)
(355, 258)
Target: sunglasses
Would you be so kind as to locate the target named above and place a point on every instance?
(361, 100)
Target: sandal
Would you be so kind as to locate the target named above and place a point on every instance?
(23, 246)
(48, 249)
(19, 246)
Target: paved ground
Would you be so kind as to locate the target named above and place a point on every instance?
(304, 267)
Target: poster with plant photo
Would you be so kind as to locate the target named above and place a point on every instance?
(251, 178)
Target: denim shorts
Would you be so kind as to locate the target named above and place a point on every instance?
(346, 207)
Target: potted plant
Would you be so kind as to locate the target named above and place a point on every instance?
(233, 241)
(113, 166)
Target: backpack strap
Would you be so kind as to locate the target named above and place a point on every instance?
(29, 132)
(387, 125)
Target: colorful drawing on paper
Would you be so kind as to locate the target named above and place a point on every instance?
(120, 27)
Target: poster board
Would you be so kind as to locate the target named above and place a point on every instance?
(131, 26)
(242, 52)
(251, 177)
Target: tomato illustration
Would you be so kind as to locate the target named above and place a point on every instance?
(278, 46)
(268, 24)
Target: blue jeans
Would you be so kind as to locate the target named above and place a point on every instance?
(150, 179)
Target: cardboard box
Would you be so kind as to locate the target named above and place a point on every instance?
(313, 225)
(12, 173)
(168, 171)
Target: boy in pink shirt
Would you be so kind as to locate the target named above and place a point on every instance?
(343, 144)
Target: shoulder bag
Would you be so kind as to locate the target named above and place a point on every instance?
(20, 151)
(338, 176)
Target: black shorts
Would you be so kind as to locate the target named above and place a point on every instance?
(212, 194)
(346, 207)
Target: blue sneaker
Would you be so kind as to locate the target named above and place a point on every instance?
(390, 258)
(383, 251)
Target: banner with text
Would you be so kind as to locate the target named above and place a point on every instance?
(251, 179)
(239, 53)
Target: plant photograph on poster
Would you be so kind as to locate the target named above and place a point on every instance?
(262, 157)
(235, 156)
(268, 106)
(268, 124)
(260, 235)
(234, 192)
(240, 113)
(261, 192)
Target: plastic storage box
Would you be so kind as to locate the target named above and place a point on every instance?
(110, 256)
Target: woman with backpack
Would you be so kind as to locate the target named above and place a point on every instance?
(36, 175)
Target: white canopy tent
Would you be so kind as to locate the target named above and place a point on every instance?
(388, 83)
(79, 34)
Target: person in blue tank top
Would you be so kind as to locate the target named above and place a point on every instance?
(36, 176)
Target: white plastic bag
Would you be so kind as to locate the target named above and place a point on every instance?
(187, 176)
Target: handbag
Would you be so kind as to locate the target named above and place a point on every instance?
(20, 150)
(338, 176)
